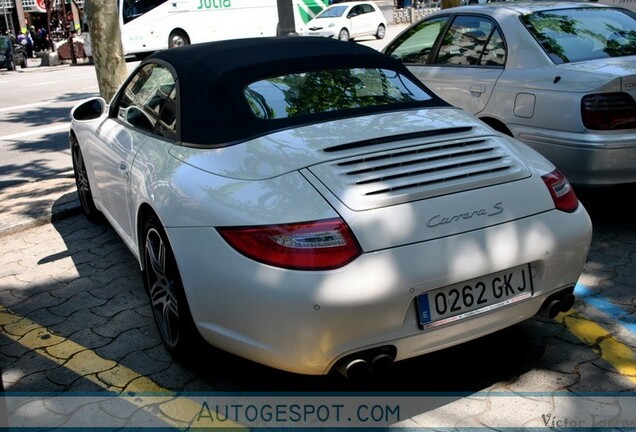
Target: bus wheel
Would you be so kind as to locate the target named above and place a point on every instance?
(178, 38)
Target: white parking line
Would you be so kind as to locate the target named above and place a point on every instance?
(40, 131)
(44, 83)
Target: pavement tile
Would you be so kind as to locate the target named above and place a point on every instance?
(80, 319)
(79, 301)
(89, 362)
(564, 356)
(130, 284)
(122, 322)
(141, 361)
(45, 318)
(115, 271)
(173, 377)
(62, 376)
(159, 353)
(127, 342)
(37, 300)
(40, 338)
(65, 349)
(115, 305)
(541, 380)
(33, 382)
(115, 257)
(72, 287)
(598, 377)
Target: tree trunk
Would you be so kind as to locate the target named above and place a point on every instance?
(108, 54)
(445, 4)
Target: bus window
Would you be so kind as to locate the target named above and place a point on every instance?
(135, 8)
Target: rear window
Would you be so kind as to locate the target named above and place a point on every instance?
(322, 91)
(571, 35)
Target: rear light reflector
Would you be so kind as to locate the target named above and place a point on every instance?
(319, 245)
(561, 190)
(608, 111)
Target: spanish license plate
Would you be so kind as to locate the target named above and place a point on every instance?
(453, 303)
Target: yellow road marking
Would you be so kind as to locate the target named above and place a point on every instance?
(619, 355)
(179, 412)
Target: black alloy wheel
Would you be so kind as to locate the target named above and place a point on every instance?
(83, 186)
(165, 289)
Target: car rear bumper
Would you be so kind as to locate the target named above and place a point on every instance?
(305, 322)
(593, 159)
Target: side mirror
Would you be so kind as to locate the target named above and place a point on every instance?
(89, 110)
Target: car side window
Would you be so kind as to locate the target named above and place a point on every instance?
(466, 40)
(355, 11)
(144, 99)
(495, 52)
(416, 44)
(367, 8)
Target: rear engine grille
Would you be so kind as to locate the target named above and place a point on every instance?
(420, 171)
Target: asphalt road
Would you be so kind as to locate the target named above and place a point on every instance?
(74, 316)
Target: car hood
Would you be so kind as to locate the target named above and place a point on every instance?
(322, 23)
(617, 67)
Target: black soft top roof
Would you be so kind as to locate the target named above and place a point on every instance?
(211, 78)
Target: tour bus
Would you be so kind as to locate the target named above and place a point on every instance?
(151, 25)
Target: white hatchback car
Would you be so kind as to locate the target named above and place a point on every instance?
(349, 20)
(558, 76)
(307, 204)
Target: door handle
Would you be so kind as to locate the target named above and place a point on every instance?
(123, 167)
(478, 89)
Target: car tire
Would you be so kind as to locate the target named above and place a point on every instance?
(162, 282)
(381, 32)
(178, 38)
(82, 183)
(343, 35)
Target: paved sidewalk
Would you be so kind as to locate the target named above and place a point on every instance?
(35, 203)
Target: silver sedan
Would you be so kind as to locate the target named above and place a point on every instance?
(560, 77)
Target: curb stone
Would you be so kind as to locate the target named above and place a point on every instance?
(31, 204)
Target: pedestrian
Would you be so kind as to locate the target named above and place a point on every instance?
(41, 39)
(30, 37)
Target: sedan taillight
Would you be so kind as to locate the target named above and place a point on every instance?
(319, 245)
(608, 111)
(561, 190)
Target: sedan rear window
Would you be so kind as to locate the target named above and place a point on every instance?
(571, 35)
(332, 90)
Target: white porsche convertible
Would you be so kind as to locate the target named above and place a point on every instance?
(310, 205)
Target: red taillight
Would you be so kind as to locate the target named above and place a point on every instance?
(320, 245)
(561, 190)
(608, 111)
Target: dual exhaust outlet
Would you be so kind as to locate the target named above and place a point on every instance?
(366, 363)
(561, 301)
